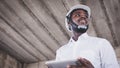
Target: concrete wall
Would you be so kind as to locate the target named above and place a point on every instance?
(6, 61)
(36, 65)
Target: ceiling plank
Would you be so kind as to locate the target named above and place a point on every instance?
(58, 11)
(23, 30)
(111, 9)
(13, 45)
(33, 25)
(44, 15)
(22, 42)
(99, 18)
(17, 54)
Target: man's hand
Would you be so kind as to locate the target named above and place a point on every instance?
(81, 63)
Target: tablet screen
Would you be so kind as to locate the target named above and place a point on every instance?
(60, 64)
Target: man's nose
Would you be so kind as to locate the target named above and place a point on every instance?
(81, 21)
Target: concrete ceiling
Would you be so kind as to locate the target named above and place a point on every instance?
(32, 30)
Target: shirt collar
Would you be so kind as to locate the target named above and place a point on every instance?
(83, 36)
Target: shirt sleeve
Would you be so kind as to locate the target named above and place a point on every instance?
(57, 55)
(108, 57)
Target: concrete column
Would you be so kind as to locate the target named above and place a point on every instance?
(6, 61)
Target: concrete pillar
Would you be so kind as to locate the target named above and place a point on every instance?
(36, 65)
(6, 61)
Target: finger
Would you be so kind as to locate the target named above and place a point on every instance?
(78, 63)
(72, 66)
(81, 60)
(86, 63)
(68, 66)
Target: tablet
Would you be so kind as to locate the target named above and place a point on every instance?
(60, 64)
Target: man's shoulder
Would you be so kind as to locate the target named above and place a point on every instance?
(62, 47)
(97, 38)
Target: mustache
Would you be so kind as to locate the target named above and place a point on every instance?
(82, 18)
(81, 21)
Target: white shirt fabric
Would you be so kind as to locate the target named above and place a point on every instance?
(97, 50)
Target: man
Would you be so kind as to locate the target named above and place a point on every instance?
(91, 52)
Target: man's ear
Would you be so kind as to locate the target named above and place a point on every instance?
(69, 22)
(70, 27)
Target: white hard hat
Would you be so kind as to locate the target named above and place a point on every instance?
(79, 6)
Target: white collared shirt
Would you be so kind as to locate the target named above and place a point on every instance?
(97, 50)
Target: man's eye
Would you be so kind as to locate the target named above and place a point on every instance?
(77, 15)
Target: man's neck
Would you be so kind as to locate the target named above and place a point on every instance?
(76, 35)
